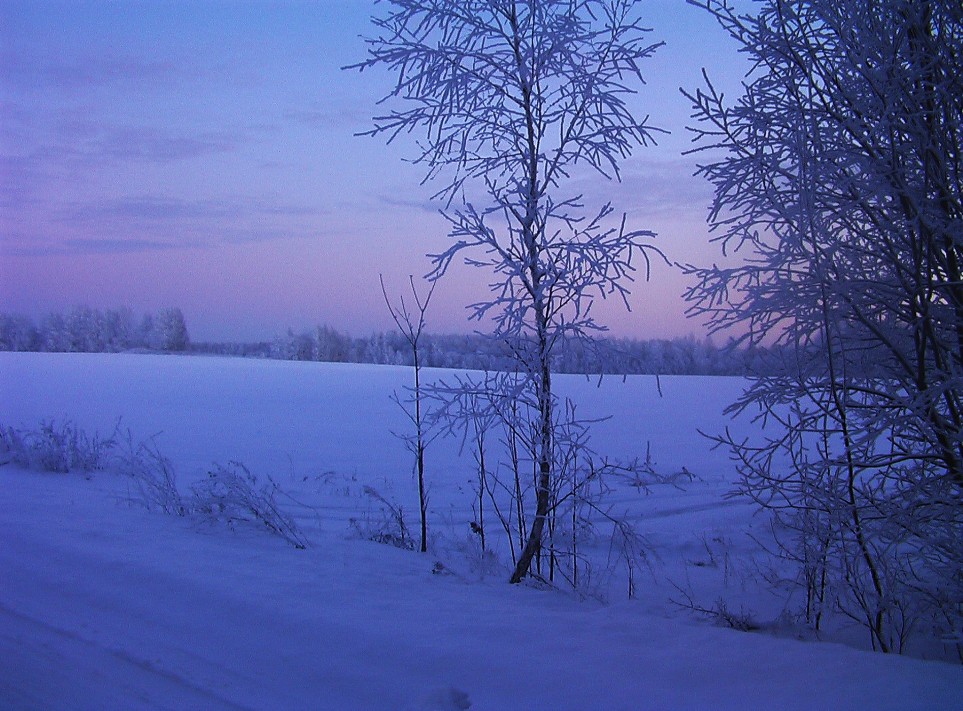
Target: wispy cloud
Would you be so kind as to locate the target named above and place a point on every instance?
(157, 208)
(423, 205)
(149, 208)
(82, 246)
(156, 145)
(354, 118)
(647, 188)
(102, 145)
(650, 187)
(18, 175)
(27, 243)
(58, 136)
(27, 73)
(121, 246)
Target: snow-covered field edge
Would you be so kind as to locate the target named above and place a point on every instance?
(106, 605)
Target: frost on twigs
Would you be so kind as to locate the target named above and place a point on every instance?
(54, 447)
(719, 612)
(837, 176)
(153, 475)
(384, 523)
(231, 493)
(509, 104)
(587, 542)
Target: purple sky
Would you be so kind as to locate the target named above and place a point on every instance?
(201, 154)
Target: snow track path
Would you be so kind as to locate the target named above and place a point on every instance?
(104, 606)
(47, 667)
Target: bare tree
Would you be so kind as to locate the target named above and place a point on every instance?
(510, 99)
(840, 177)
(411, 322)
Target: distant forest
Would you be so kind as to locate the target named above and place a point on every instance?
(87, 330)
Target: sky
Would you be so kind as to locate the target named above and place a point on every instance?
(204, 154)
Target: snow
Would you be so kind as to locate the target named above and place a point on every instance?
(105, 605)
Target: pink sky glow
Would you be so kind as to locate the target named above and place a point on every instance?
(202, 155)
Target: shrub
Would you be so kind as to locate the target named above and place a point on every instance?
(232, 493)
(387, 526)
(56, 448)
(154, 475)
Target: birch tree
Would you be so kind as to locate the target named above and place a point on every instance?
(510, 99)
(838, 176)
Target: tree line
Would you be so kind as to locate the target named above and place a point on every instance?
(88, 330)
(678, 356)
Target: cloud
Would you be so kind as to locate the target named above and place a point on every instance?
(354, 119)
(104, 146)
(272, 209)
(647, 189)
(26, 73)
(18, 175)
(149, 208)
(120, 246)
(152, 223)
(99, 145)
(156, 145)
(55, 137)
(148, 223)
(650, 188)
(42, 244)
(422, 205)
(110, 245)
(170, 209)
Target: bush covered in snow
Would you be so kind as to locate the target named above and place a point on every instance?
(55, 447)
(230, 493)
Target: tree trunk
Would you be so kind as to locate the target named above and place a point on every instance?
(543, 487)
(422, 494)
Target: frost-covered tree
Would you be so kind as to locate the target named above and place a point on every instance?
(332, 347)
(171, 330)
(839, 176)
(510, 99)
(284, 347)
(17, 333)
(83, 329)
(54, 336)
(118, 329)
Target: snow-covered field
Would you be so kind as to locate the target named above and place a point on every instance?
(104, 605)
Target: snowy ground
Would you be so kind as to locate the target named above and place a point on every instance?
(104, 605)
